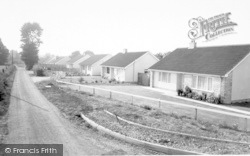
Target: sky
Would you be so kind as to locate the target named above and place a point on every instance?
(110, 26)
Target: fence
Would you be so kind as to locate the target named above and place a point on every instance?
(219, 117)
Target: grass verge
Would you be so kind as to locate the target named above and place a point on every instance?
(93, 107)
(6, 82)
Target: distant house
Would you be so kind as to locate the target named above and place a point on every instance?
(125, 66)
(63, 61)
(49, 60)
(54, 61)
(222, 70)
(92, 65)
(75, 61)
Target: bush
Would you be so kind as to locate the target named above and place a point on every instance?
(204, 96)
(188, 90)
(40, 72)
(179, 92)
(213, 99)
(81, 80)
(147, 107)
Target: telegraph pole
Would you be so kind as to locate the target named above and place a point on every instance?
(12, 57)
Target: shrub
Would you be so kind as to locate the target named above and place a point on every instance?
(96, 81)
(189, 95)
(204, 96)
(40, 72)
(188, 90)
(196, 96)
(179, 92)
(147, 107)
(213, 99)
(81, 80)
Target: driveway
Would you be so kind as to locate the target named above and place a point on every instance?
(34, 120)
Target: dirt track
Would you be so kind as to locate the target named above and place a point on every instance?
(34, 120)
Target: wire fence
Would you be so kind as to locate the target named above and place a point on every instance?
(224, 119)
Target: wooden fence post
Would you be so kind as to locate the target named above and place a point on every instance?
(159, 103)
(196, 111)
(132, 100)
(245, 124)
(110, 94)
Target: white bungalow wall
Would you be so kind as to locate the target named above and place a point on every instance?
(241, 81)
(139, 66)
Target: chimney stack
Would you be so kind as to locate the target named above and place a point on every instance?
(125, 51)
(192, 44)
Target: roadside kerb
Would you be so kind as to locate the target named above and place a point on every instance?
(152, 146)
(173, 132)
(196, 108)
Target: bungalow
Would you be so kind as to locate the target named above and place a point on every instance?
(124, 67)
(58, 58)
(92, 65)
(75, 61)
(221, 70)
(63, 61)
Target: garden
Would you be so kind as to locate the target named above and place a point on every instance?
(189, 93)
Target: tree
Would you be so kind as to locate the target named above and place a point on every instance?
(161, 55)
(15, 57)
(30, 36)
(88, 52)
(74, 54)
(4, 53)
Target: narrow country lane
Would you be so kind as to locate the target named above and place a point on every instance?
(34, 120)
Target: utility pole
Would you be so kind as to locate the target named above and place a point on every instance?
(12, 56)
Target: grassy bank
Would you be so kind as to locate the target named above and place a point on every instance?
(6, 82)
(75, 102)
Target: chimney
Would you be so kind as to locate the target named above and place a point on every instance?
(192, 44)
(125, 51)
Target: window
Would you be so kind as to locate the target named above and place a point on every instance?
(210, 84)
(168, 77)
(202, 83)
(108, 70)
(165, 77)
(159, 76)
(194, 81)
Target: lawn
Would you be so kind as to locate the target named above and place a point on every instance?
(93, 107)
(166, 107)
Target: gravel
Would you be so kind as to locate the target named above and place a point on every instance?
(170, 140)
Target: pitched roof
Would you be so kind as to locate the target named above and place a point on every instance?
(56, 60)
(64, 60)
(123, 59)
(50, 60)
(93, 59)
(203, 60)
(74, 59)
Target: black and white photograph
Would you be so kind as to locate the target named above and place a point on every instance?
(124, 77)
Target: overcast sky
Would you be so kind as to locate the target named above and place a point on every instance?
(109, 26)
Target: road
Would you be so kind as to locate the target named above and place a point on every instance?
(34, 120)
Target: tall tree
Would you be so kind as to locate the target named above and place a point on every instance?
(30, 36)
(88, 52)
(74, 54)
(4, 53)
(161, 55)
